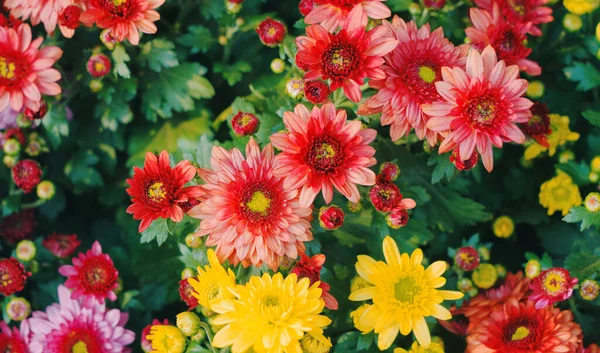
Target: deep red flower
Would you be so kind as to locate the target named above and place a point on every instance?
(310, 267)
(69, 17)
(434, 4)
(386, 196)
(15, 133)
(271, 32)
(245, 124)
(467, 258)
(92, 276)
(316, 92)
(331, 217)
(36, 115)
(538, 126)
(466, 164)
(61, 245)
(388, 171)
(13, 340)
(306, 6)
(18, 226)
(189, 204)
(524, 12)
(552, 286)
(9, 21)
(185, 292)
(12, 276)
(458, 324)
(397, 218)
(99, 65)
(27, 174)
(145, 343)
(157, 189)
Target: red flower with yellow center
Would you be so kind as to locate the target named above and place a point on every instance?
(27, 174)
(12, 276)
(551, 286)
(12, 340)
(99, 65)
(271, 32)
(245, 124)
(331, 217)
(529, 13)
(467, 258)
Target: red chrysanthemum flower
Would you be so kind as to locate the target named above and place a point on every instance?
(322, 150)
(61, 245)
(345, 58)
(464, 164)
(592, 348)
(386, 196)
(271, 32)
(331, 217)
(538, 126)
(99, 65)
(248, 212)
(306, 6)
(145, 343)
(524, 12)
(245, 124)
(411, 71)
(92, 277)
(186, 294)
(26, 175)
(14, 340)
(467, 258)
(552, 286)
(316, 92)
(9, 21)
(504, 36)
(157, 189)
(482, 106)
(25, 70)
(12, 276)
(397, 218)
(18, 226)
(310, 267)
(332, 14)
(68, 20)
(124, 18)
(388, 171)
(15, 133)
(458, 324)
(434, 4)
(518, 327)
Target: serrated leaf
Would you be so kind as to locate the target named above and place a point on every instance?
(158, 54)
(579, 172)
(582, 265)
(581, 214)
(585, 74)
(592, 116)
(449, 209)
(56, 124)
(158, 230)
(443, 168)
(204, 152)
(233, 73)
(120, 58)
(198, 38)
(192, 258)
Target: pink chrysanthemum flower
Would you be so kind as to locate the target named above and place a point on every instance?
(92, 277)
(25, 70)
(14, 340)
(552, 286)
(322, 150)
(504, 36)
(41, 11)
(523, 12)
(345, 58)
(248, 212)
(69, 326)
(482, 106)
(412, 69)
(331, 14)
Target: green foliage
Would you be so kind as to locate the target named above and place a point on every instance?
(585, 74)
(581, 214)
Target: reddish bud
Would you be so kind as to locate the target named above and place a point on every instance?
(27, 174)
(61, 245)
(467, 258)
(385, 196)
(316, 92)
(69, 17)
(41, 113)
(12, 276)
(245, 124)
(388, 171)
(331, 217)
(465, 164)
(271, 32)
(434, 4)
(16, 134)
(397, 218)
(99, 65)
(306, 6)
(185, 292)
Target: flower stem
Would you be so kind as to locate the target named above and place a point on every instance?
(35, 204)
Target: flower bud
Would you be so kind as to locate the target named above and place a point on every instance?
(27, 175)
(277, 65)
(594, 177)
(466, 258)
(589, 289)
(592, 202)
(187, 273)
(595, 164)
(566, 156)
(464, 164)
(99, 65)
(535, 90)
(18, 309)
(355, 316)
(485, 276)
(245, 124)
(108, 39)
(501, 270)
(23, 122)
(354, 206)
(69, 17)
(25, 250)
(331, 217)
(34, 266)
(271, 32)
(306, 6)
(200, 336)
(11, 147)
(295, 88)
(414, 8)
(533, 268)
(397, 218)
(9, 161)
(189, 323)
(192, 241)
(572, 23)
(434, 4)
(222, 40)
(39, 114)
(465, 285)
(239, 21)
(388, 171)
(316, 92)
(233, 6)
(484, 253)
(45, 190)
(503, 227)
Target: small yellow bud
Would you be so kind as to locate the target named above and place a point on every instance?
(485, 276)
(594, 177)
(222, 40)
(192, 241)
(189, 323)
(503, 227)
(595, 164)
(572, 23)
(592, 202)
(535, 89)
(96, 85)
(277, 66)
(187, 273)
(25, 250)
(45, 190)
(9, 161)
(533, 268)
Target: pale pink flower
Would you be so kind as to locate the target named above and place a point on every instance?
(331, 14)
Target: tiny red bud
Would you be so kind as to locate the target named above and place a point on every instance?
(331, 217)
(99, 65)
(306, 6)
(467, 258)
(397, 218)
(41, 113)
(388, 171)
(245, 124)
(27, 174)
(271, 32)
(465, 164)
(316, 92)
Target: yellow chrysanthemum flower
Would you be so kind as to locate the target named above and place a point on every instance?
(535, 89)
(213, 282)
(559, 194)
(503, 227)
(434, 347)
(270, 315)
(580, 7)
(403, 294)
(559, 136)
(315, 344)
(485, 276)
(166, 339)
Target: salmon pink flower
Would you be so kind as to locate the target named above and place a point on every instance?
(345, 58)
(248, 212)
(125, 18)
(157, 189)
(332, 14)
(504, 36)
(552, 286)
(13, 276)
(524, 12)
(25, 70)
(310, 267)
(482, 106)
(40, 11)
(411, 71)
(322, 150)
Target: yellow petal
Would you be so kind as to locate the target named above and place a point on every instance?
(436, 269)
(450, 294)
(422, 332)
(387, 337)
(406, 326)
(437, 282)
(417, 257)
(225, 337)
(439, 312)
(366, 267)
(391, 252)
(400, 350)
(363, 294)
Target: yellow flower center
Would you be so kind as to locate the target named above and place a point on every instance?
(271, 31)
(98, 66)
(79, 347)
(156, 192)
(7, 68)
(554, 283)
(6, 279)
(521, 333)
(426, 74)
(118, 2)
(245, 120)
(259, 203)
(325, 150)
(271, 300)
(406, 289)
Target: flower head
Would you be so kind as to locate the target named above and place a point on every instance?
(245, 124)
(538, 126)
(482, 106)
(345, 58)
(271, 32)
(68, 20)
(485, 276)
(592, 202)
(92, 276)
(559, 135)
(61, 245)
(306, 6)
(213, 282)
(14, 340)
(25, 250)
(533, 268)
(157, 190)
(503, 227)
(124, 18)
(27, 174)
(322, 150)
(145, 343)
(41, 11)
(467, 258)
(397, 218)
(310, 267)
(580, 7)
(434, 347)
(332, 14)
(13, 276)
(45, 190)
(411, 72)
(18, 226)
(331, 217)
(270, 314)
(388, 171)
(316, 92)
(248, 212)
(99, 65)
(295, 87)
(186, 293)
(559, 194)
(529, 13)
(589, 289)
(552, 286)
(18, 309)
(386, 196)
(403, 294)
(166, 339)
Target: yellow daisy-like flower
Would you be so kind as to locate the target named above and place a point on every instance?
(580, 7)
(270, 315)
(503, 227)
(213, 282)
(559, 136)
(416, 348)
(315, 344)
(403, 294)
(559, 194)
(166, 339)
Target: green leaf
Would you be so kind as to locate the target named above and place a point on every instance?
(581, 214)
(449, 209)
(158, 54)
(56, 124)
(558, 238)
(585, 74)
(443, 168)
(10, 204)
(198, 38)
(592, 116)
(582, 265)
(192, 258)
(158, 230)
(233, 73)
(579, 172)
(364, 342)
(121, 58)
(204, 152)
(81, 169)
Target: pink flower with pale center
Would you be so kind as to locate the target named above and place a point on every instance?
(331, 14)
(247, 212)
(41, 11)
(345, 58)
(411, 71)
(25, 70)
(552, 286)
(69, 326)
(523, 12)
(322, 150)
(481, 106)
